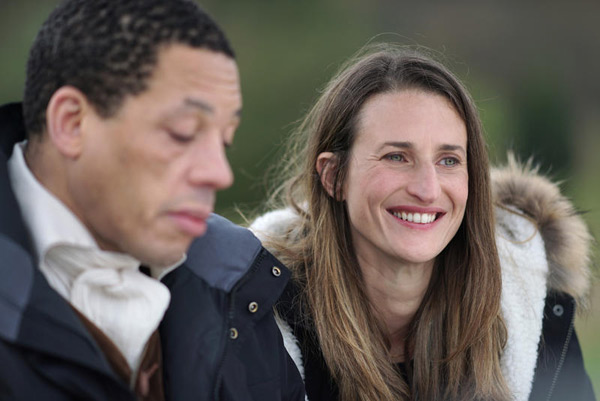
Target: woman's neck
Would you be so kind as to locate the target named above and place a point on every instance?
(396, 291)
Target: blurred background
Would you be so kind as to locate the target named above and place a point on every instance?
(531, 67)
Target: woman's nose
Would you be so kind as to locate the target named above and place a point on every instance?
(424, 183)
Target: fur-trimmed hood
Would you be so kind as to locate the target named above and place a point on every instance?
(567, 240)
(520, 187)
(543, 244)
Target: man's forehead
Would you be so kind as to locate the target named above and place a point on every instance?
(188, 79)
(177, 59)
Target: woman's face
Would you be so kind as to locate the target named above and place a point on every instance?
(407, 182)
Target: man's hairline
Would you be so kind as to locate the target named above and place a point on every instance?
(160, 48)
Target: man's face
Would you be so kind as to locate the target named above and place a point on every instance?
(146, 178)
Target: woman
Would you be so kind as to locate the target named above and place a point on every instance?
(399, 292)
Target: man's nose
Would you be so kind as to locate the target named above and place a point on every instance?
(424, 183)
(210, 166)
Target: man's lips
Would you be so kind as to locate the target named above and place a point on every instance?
(191, 222)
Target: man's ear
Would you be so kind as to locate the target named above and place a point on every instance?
(64, 117)
(327, 164)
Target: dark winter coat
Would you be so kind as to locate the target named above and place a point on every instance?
(219, 337)
(544, 249)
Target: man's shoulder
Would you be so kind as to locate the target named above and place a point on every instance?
(223, 254)
(222, 297)
(223, 232)
(229, 258)
(16, 281)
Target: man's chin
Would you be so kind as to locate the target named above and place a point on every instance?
(171, 262)
(163, 261)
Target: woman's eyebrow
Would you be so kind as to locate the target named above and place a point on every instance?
(410, 145)
(395, 144)
(453, 148)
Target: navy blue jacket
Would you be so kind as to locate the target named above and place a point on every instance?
(219, 337)
(220, 323)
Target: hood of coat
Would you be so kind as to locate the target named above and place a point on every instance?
(567, 239)
(519, 186)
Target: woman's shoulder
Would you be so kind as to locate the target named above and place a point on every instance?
(274, 222)
(531, 206)
(280, 225)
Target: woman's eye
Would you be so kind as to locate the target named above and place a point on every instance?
(449, 161)
(395, 157)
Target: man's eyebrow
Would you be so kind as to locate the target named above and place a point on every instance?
(199, 104)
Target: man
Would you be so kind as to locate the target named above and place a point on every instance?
(108, 174)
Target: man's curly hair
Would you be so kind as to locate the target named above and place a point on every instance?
(108, 49)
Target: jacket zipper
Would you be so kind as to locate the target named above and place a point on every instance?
(563, 356)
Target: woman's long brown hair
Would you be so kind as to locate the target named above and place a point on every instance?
(457, 335)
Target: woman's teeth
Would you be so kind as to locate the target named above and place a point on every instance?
(422, 218)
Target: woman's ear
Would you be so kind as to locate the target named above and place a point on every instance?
(64, 116)
(326, 166)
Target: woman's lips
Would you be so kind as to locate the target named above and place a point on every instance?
(417, 217)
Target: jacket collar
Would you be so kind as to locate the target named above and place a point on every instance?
(32, 314)
(16, 265)
(11, 132)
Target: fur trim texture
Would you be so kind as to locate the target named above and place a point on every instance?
(566, 237)
(524, 275)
